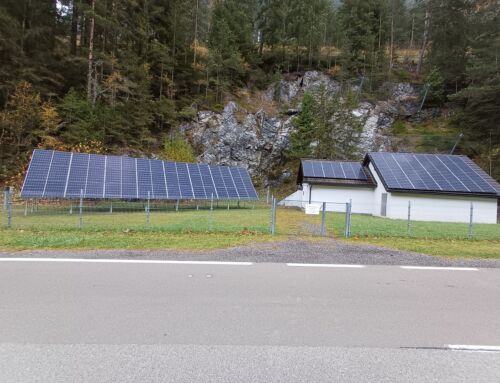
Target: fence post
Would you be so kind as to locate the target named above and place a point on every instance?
(177, 206)
(9, 207)
(5, 196)
(26, 208)
(210, 226)
(408, 223)
(147, 210)
(323, 216)
(70, 207)
(347, 228)
(470, 220)
(273, 215)
(111, 207)
(81, 209)
(267, 195)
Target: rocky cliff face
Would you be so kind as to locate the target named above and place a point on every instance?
(258, 141)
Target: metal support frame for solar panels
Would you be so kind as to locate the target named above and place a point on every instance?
(178, 183)
(202, 182)
(48, 173)
(121, 181)
(136, 180)
(190, 182)
(164, 177)
(87, 175)
(234, 183)
(105, 174)
(67, 175)
(151, 178)
(213, 182)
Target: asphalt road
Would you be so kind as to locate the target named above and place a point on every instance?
(94, 321)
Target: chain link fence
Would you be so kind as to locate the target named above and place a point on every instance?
(267, 216)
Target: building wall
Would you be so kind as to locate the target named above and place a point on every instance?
(442, 208)
(337, 196)
(377, 193)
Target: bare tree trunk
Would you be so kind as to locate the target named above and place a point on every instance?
(412, 30)
(74, 28)
(195, 42)
(380, 31)
(391, 50)
(91, 55)
(424, 42)
(24, 26)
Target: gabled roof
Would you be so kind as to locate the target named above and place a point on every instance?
(431, 173)
(334, 172)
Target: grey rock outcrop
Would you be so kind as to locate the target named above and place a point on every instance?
(255, 141)
(258, 141)
(290, 91)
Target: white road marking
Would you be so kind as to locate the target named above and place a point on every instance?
(339, 265)
(467, 347)
(144, 261)
(439, 268)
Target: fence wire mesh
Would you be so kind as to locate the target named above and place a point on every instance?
(331, 219)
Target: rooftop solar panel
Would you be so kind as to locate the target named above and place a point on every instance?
(333, 169)
(55, 174)
(442, 173)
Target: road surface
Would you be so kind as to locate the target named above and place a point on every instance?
(163, 321)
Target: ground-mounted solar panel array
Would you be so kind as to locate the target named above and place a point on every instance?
(431, 172)
(333, 169)
(55, 174)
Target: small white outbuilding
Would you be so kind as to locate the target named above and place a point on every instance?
(433, 187)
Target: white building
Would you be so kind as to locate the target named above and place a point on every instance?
(434, 187)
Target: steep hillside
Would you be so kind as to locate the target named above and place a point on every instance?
(257, 134)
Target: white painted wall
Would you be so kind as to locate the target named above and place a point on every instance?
(337, 196)
(377, 192)
(442, 208)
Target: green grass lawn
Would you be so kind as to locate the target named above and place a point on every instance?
(53, 227)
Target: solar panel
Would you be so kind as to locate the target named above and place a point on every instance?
(220, 186)
(58, 173)
(333, 169)
(232, 193)
(95, 177)
(113, 177)
(431, 172)
(129, 178)
(159, 182)
(172, 180)
(208, 182)
(144, 179)
(54, 174)
(238, 182)
(247, 182)
(77, 174)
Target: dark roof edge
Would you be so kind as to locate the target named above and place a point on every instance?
(435, 192)
(338, 182)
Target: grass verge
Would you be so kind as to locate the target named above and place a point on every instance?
(27, 239)
(448, 248)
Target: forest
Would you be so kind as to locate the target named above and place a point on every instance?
(120, 76)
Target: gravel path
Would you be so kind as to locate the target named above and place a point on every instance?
(293, 250)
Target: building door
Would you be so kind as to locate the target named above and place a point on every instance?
(383, 207)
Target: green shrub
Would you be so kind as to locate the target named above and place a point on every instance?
(398, 127)
(178, 149)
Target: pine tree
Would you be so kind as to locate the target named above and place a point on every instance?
(304, 130)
